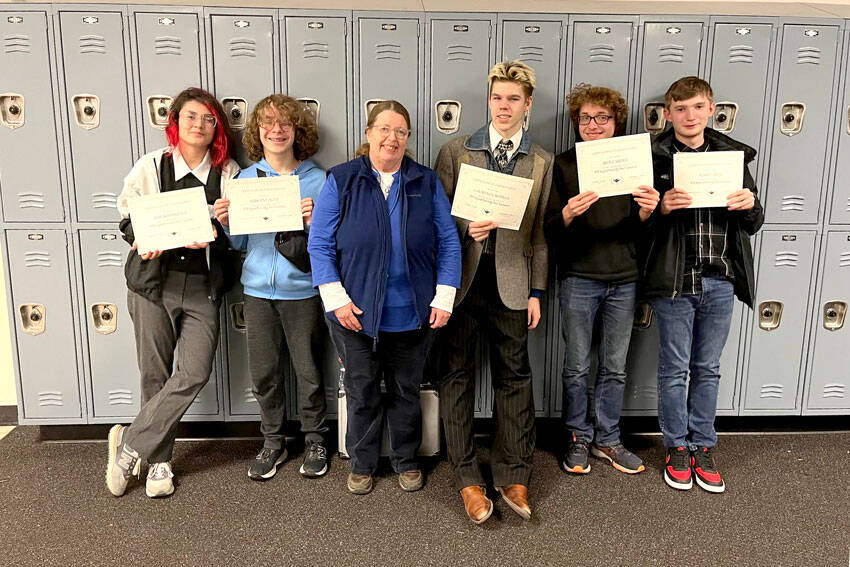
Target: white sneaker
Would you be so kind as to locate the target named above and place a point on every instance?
(159, 481)
(122, 463)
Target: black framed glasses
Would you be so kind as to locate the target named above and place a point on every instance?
(601, 119)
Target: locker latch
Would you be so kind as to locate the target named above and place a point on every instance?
(86, 111)
(237, 317)
(12, 110)
(653, 117)
(643, 316)
(313, 105)
(848, 119)
(158, 107)
(770, 315)
(447, 114)
(33, 318)
(724, 116)
(833, 315)
(236, 110)
(526, 120)
(370, 104)
(791, 118)
(104, 317)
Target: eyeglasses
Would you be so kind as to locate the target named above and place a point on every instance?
(400, 133)
(268, 123)
(601, 119)
(192, 117)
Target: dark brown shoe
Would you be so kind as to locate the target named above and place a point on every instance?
(478, 506)
(516, 495)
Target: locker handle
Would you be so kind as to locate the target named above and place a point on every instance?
(791, 122)
(848, 119)
(724, 116)
(834, 313)
(770, 315)
(104, 318)
(447, 113)
(369, 104)
(33, 318)
(12, 110)
(158, 107)
(313, 105)
(653, 118)
(236, 110)
(86, 111)
(237, 317)
(643, 316)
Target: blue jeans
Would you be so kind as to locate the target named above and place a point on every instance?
(692, 332)
(581, 299)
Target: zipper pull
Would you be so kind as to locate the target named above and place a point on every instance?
(375, 344)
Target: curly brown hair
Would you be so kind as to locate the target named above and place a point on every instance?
(584, 93)
(303, 121)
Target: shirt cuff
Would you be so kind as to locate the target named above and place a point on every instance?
(536, 293)
(444, 297)
(333, 296)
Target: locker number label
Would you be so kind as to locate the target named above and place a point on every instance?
(532, 29)
(35, 236)
(15, 20)
(315, 25)
(166, 21)
(789, 237)
(389, 27)
(90, 19)
(602, 30)
(107, 236)
(465, 28)
(242, 23)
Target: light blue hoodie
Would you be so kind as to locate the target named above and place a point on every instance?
(266, 273)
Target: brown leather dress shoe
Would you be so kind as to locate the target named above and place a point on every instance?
(478, 506)
(516, 495)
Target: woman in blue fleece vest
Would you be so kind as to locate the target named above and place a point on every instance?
(280, 301)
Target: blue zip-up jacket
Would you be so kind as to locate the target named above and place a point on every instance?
(350, 238)
(265, 272)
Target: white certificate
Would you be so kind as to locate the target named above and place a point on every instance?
(164, 221)
(264, 204)
(482, 194)
(709, 177)
(614, 166)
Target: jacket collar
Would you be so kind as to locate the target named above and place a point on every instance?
(409, 170)
(663, 144)
(480, 141)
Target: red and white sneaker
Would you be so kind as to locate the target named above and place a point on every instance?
(677, 470)
(705, 471)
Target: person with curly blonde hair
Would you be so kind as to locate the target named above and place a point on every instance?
(281, 307)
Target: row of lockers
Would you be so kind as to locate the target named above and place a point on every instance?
(76, 354)
(90, 88)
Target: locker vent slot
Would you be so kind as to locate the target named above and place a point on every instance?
(810, 55)
(31, 200)
(644, 392)
(786, 259)
(51, 398)
(601, 53)
(93, 44)
(793, 203)
(741, 54)
(671, 53)
(243, 47)
(833, 391)
(17, 43)
(844, 260)
(109, 259)
(167, 45)
(459, 52)
(104, 200)
(249, 397)
(314, 50)
(37, 259)
(120, 397)
(531, 53)
(771, 390)
(388, 51)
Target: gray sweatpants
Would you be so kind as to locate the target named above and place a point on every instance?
(300, 322)
(183, 320)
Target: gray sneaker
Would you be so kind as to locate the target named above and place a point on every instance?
(315, 460)
(359, 483)
(264, 466)
(122, 463)
(620, 458)
(159, 483)
(411, 481)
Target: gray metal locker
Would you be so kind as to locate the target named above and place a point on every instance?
(241, 402)
(801, 123)
(316, 68)
(840, 211)
(389, 64)
(31, 183)
(536, 41)
(243, 55)
(40, 290)
(828, 388)
(670, 50)
(771, 383)
(167, 59)
(97, 107)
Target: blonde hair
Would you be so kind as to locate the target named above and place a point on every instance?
(515, 72)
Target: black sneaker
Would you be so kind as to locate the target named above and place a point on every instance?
(315, 460)
(264, 466)
(677, 469)
(705, 471)
(575, 458)
(620, 458)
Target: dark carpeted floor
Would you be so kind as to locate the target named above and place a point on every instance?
(787, 503)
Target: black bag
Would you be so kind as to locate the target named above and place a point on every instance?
(292, 245)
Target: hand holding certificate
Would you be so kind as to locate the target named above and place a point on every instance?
(614, 166)
(164, 221)
(708, 177)
(264, 204)
(482, 194)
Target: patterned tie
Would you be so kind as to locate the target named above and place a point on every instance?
(502, 149)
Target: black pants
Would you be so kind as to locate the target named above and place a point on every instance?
(398, 358)
(505, 334)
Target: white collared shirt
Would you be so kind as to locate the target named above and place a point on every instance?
(495, 138)
(181, 169)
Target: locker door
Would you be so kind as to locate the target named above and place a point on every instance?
(641, 395)
(537, 43)
(168, 52)
(840, 212)
(801, 123)
(30, 181)
(829, 383)
(242, 47)
(242, 401)
(113, 370)
(778, 322)
(329, 367)
(729, 363)
(96, 95)
(316, 69)
(670, 50)
(389, 66)
(40, 281)
(460, 53)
